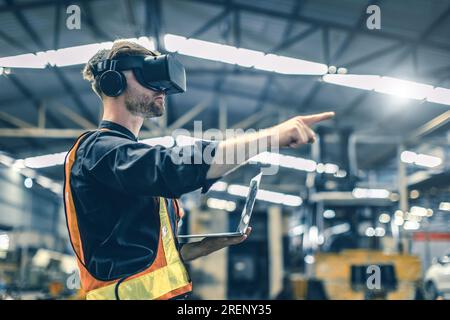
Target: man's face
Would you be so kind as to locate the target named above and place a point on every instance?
(141, 101)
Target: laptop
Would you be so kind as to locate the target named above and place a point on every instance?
(245, 216)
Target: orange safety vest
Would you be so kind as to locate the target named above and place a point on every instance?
(166, 277)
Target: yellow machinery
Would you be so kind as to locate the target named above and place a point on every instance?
(334, 270)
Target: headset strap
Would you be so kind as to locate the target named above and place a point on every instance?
(119, 64)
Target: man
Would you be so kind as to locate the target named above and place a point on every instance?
(120, 195)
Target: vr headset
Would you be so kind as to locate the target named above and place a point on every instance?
(161, 73)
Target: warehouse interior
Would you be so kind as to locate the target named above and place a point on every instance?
(372, 191)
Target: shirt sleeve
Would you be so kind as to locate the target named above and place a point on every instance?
(140, 169)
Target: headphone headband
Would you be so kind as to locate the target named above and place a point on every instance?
(118, 64)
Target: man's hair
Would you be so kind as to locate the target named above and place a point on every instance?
(120, 48)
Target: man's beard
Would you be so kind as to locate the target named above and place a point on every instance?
(144, 106)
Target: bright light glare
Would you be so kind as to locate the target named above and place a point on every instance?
(247, 58)
(56, 159)
(411, 225)
(309, 259)
(64, 56)
(219, 186)
(240, 56)
(287, 65)
(18, 165)
(28, 60)
(370, 193)
(291, 162)
(166, 141)
(340, 173)
(297, 230)
(419, 211)
(398, 220)
(28, 183)
(380, 232)
(439, 95)
(444, 206)
(340, 228)
(221, 204)
(45, 182)
(391, 86)
(237, 190)
(266, 195)
(423, 160)
(403, 88)
(30, 174)
(408, 156)
(183, 140)
(47, 160)
(370, 232)
(329, 214)
(331, 168)
(365, 82)
(280, 198)
(428, 161)
(375, 232)
(4, 242)
(384, 218)
(72, 55)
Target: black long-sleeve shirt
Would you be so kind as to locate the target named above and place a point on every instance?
(116, 183)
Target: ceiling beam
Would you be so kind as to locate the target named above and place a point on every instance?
(90, 20)
(191, 114)
(285, 42)
(381, 34)
(14, 120)
(49, 133)
(210, 23)
(68, 87)
(55, 95)
(29, 96)
(251, 8)
(339, 52)
(153, 22)
(13, 42)
(255, 117)
(374, 55)
(345, 44)
(75, 117)
(22, 6)
(41, 133)
(38, 41)
(289, 41)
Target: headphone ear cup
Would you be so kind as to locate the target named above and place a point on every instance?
(112, 83)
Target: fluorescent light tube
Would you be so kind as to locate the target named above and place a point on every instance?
(403, 88)
(364, 82)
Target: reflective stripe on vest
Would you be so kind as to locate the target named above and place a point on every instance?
(164, 279)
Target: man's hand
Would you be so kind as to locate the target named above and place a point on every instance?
(291, 133)
(297, 131)
(194, 250)
(214, 244)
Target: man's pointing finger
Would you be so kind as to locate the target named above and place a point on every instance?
(314, 118)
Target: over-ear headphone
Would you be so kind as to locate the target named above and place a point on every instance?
(159, 73)
(112, 82)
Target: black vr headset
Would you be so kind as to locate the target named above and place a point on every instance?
(161, 73)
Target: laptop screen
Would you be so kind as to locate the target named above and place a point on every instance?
(249, 203)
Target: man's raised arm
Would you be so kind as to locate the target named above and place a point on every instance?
(231, 153)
